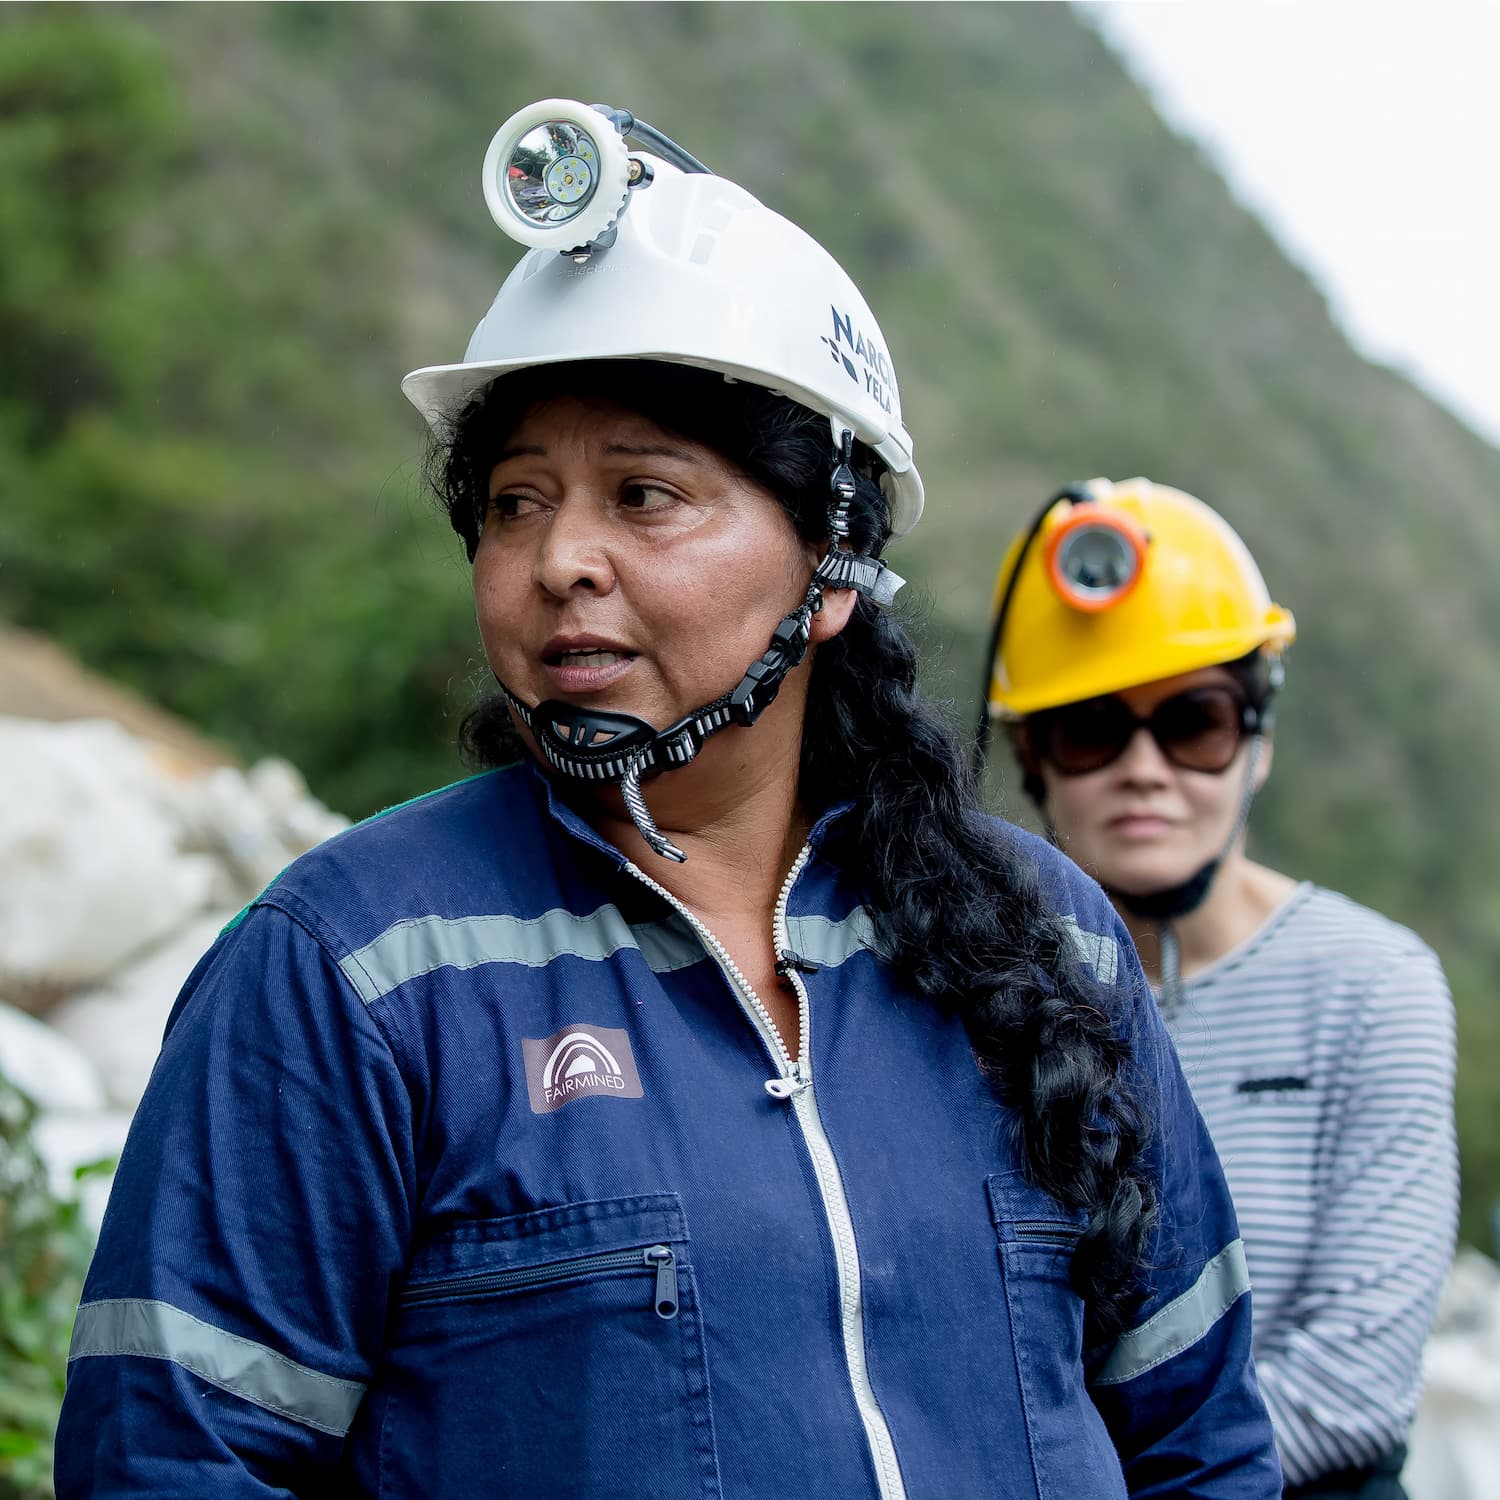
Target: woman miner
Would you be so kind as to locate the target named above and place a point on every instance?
(1138, 656)
(708, 1100)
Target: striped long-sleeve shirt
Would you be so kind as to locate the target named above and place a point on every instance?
(1321, 1055)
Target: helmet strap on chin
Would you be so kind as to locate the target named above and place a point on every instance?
(1175, 900)
(592, 745)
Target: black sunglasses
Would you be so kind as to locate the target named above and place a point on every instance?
(1199, 730)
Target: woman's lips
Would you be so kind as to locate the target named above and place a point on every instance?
(588, 671)
(1139, 826)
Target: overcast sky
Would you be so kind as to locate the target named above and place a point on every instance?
(1366, 135)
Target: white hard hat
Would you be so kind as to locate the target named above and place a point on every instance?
(703, 274)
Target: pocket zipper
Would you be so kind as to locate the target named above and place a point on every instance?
(657, 1258)
(1046, 1231)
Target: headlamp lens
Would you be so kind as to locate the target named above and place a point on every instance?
(1095, 556)
(1097, 561)
(552, 173)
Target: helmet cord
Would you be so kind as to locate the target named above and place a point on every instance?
(1075, 493)
(649, 136)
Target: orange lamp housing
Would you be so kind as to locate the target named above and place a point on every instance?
(1095, 556)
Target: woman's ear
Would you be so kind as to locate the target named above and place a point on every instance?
(1263, 765)
(838, 606)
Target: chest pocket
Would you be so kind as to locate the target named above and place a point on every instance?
(555, 1353)
(1071, 1452)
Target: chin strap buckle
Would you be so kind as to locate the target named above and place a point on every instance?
(841, 487)
(762, 681)
(849, 570)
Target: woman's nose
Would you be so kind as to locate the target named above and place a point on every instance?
(1141, 763)
(572, 554)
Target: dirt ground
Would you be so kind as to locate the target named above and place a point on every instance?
(39, 680)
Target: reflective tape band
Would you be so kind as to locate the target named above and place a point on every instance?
(420, 945)
(157, 1330)
(1096, 949)
(1183, 1321)
(827, 943)
(416, 947)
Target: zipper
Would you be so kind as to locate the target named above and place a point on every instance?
(1045, 1231)
(789, 1075)
(840, 1224)
(657, 1258)
(794, 1082)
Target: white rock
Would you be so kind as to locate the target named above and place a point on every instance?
(74, 1126)
(299, 818)
(116, 876)
(54, 1073)
(92, 871)
(118, 1024)
(277, 784)
(1454, 1449)
(309, 823)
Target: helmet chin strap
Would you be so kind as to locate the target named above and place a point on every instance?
(1165, 906)
(614, 749)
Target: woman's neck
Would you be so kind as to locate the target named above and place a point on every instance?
(736, 817)
(1241, 899)
(735, 814)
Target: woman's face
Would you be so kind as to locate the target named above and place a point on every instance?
(1142, 824)
(623, 568)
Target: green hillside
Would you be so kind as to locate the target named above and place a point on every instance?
(225, 231)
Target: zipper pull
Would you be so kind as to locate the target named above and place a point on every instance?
(789, 1085)
(788, 960)
(660, 1258)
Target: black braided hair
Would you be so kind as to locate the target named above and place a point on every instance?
(956, 906)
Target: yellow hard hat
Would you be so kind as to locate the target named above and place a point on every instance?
(1122, 584)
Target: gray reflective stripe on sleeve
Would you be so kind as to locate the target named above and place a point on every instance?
(1183, 1321)
(157, 1330)
(827, 943)
(1097, 949)
(416, 947)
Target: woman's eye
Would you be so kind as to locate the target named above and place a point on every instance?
(508, 507)
(640, 496)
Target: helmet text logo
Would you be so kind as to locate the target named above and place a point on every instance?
(873, 370)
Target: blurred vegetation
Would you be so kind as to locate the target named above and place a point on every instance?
(225, 231)
(47, 1247)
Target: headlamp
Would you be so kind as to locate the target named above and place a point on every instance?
(557, 174)
(1095, 557)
